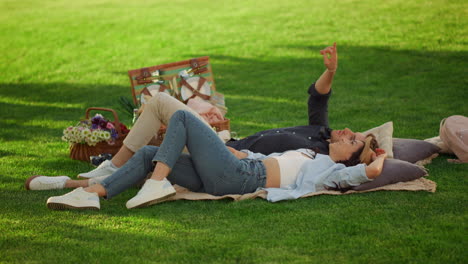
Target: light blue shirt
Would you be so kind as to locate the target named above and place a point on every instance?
(314, 176)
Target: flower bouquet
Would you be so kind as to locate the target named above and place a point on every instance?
(94, 136)
(91, 131)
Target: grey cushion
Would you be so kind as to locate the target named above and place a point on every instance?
(413, 150)
(394, 171)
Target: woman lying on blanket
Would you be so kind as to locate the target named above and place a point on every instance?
(215, 169)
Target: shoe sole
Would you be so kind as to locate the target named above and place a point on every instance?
(60, 206)
(155, 201)
(87, 178)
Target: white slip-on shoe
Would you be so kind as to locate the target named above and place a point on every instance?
(38, 182)
(104, 169)
(76, 199)
(151, 193)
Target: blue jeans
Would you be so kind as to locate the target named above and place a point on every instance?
(209, 168)
(137, 168)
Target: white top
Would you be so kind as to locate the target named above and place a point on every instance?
(316, 174)
(290, 163)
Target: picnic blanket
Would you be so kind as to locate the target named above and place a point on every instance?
(421, 184)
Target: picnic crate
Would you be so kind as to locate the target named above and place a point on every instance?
(183, 80)
(163, 76)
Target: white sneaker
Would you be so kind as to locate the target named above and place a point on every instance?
(152, 192)
(76, 199)
(104, 169)
(38, 182)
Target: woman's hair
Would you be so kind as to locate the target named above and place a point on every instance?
(364, 154)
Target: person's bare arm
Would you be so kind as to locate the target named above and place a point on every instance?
(375, 168)
(238, 154)
(330, 59)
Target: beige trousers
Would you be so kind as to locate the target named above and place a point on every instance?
(157, 111)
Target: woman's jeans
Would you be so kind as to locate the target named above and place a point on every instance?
(209, 168)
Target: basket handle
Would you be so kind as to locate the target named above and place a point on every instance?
(116, 118)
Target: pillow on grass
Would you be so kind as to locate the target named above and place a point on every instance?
(394, 171)
(384, 134)
(414, 150)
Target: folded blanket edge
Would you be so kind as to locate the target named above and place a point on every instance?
(421, 184)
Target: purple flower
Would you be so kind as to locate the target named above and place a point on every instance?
(114, 134)
(95, 120)
(103, 123)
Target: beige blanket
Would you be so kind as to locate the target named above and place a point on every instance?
(421, 184)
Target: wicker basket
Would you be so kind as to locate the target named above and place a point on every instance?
(218, 126)
(84, 151)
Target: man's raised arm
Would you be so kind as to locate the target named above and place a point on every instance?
(330, 59)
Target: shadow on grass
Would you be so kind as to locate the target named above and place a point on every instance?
(27, 109)
(5, 153)
(413, 88)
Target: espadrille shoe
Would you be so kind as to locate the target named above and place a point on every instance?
(104, 169)
(151, 193)
(76, 199)
(38, 182)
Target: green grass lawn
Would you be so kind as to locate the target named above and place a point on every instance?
(404, 61)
